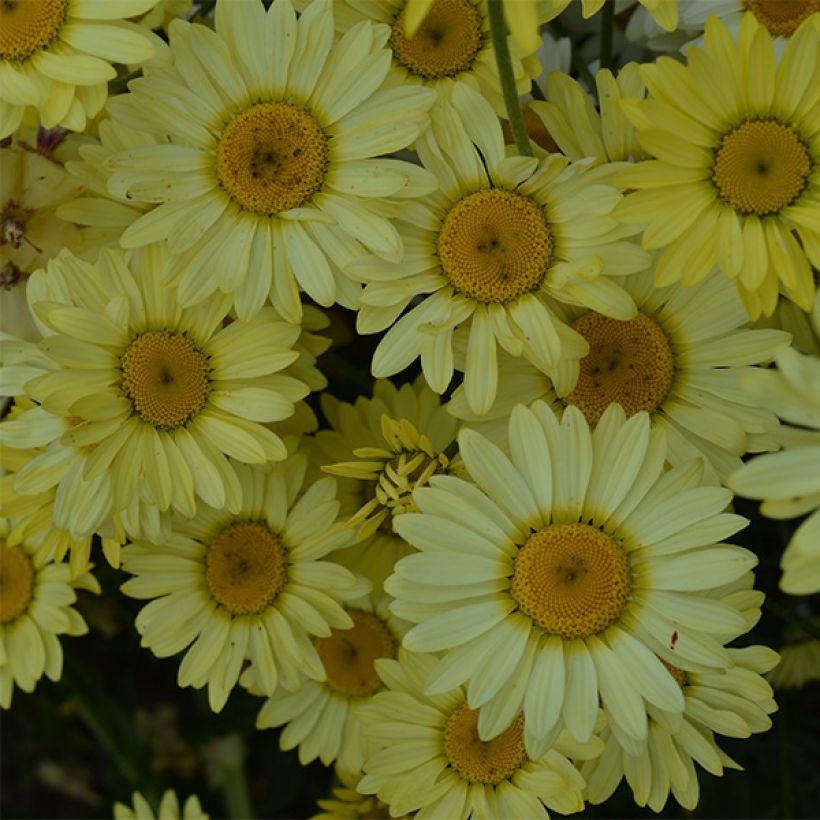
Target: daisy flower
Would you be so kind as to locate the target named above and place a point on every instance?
(799, 664)
(735, 182)
(565, 572)
(323, 718)
(501, 239)
(664, 12)
(735, 702)
(163, 393)
(35, 608)
(348, 802)
(681, 359)
(168, 808)
(789, 481)
(433, 760)
(443, 43)
(249, 584)
(381, 449)
(56, 55)
(273, 172)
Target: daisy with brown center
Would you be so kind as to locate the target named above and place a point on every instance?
(564, 571)
(445, 43)
(434, 761)
(381, 449)
(158, 395)
(272, 175)
(681, 359)
(735, 182)
(735, 702)
(36, 597)
(789, 481)
(502, 239)
(57, 55)
(323, 718)
(251, 584)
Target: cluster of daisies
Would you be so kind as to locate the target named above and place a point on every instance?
(503, 587)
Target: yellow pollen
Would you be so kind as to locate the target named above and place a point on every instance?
(483, 761)
(676, 672)
(630, 363)
(761, 167)
(166, 378)
(272, 157)
(571, 579)
(348, 654)
(444, 45)
(247, 567)
(782, 17)
(16, 582)
(495, 245)
(28, 26)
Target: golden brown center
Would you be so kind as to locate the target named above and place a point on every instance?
(166, 377)
(348, 654)
(782, 17)
(483, 761)
(676, 672)
(571, 579)
(16, 582)
(445, 43)
(247, 567)
(495, 245)
(630, 363)
(761, 167)
(28, 26)
(272, 157)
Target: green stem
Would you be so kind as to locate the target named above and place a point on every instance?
(236, 794)
(607, 33)
(498, 34)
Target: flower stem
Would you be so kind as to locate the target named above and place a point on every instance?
(498, 33)
(607, 32)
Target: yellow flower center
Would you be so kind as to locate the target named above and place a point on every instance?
(445, 43)
(761, 167)
(166, 378)
(483, 761)
(572, 579)
(495, 245)
(348, 654)
(676, 672)
(16, 582)
(28, 26)
(246, 567)
(272, 157)
(630, 363)
(782, 17)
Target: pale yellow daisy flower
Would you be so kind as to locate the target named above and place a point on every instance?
(664, 12)
(272, 176)
(435, 762)
(789, 481)
(347, 802)
(566, 571)
(249, 584)
(57, 55)
(168, 808)
(799, 664)
(735, 182)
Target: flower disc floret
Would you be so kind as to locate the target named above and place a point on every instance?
(27, 26)
(272, 157)
(761, 167)
(571, 579)
(16, 582)
(782, 17)
(444, 45)
(495, 245)
(247, 567)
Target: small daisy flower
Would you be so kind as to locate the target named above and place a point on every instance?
(566, 571)
(502, 239)
(789, 481)
(323, 717)
(735, 182)
(346, 801)
(272, 175)
(799, 664)
(681, 359)
(168, 808)
(434, 760)
(664, 12)
(57, 55)
(250, 584)
(35, 608)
